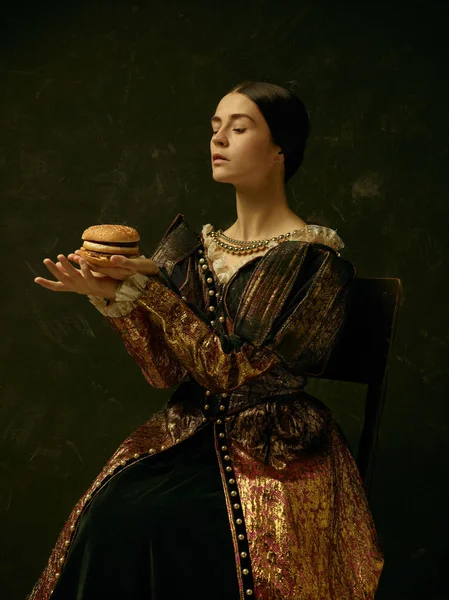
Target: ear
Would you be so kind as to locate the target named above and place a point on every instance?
(279, 158)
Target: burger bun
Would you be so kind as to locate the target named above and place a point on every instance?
(111, 233)
(100, 242)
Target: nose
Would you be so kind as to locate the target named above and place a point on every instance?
(219, 139)
(217, 144)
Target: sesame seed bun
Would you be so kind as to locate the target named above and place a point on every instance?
(111, 233)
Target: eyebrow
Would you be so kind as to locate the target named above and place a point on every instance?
(233, 117)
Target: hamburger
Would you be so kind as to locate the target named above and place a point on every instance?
(100, 242)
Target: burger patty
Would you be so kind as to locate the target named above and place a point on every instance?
(121, 244)
(104, 255)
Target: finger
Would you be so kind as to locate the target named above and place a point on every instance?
(85, 269)
(68, 268)
(115, 260)
(76, 259)
(94, 269)
(61, 268)
(92, 266)
(120, 261)
(54, 270)
(114, 272)
(54, 286)
(145, 266)
(88, 272)
(77, 255)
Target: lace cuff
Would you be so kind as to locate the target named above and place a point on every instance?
(125, 297)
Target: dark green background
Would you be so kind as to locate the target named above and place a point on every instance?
(105, 112)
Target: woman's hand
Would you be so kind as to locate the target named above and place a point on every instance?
(81, 281)
(121, 267)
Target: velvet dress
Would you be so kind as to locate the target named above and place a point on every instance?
(243, 485)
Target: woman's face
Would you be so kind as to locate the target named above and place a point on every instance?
(245, 141)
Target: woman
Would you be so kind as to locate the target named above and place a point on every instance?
(243, 485)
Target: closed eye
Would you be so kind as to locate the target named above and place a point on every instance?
(238, 130)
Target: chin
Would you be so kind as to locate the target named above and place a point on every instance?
(221, 176)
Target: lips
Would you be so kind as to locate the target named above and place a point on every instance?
(217, 156)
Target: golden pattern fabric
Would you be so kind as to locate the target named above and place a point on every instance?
(310, 531)
(197, 347)
(146, 344)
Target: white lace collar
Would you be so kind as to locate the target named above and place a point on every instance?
(310, 233)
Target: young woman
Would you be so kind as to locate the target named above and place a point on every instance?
(243, 486)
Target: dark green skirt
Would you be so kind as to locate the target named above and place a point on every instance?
(158, 530)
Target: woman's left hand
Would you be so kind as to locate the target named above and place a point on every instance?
(121, 267)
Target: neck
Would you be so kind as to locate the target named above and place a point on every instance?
(262, 213)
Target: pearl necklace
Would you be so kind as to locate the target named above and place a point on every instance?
(249, 247)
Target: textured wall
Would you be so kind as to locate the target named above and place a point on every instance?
(104, 116)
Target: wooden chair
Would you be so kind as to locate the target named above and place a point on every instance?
(361, 355)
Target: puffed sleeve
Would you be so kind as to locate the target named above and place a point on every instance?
(142, 338)
(297, 328)
(303, 329)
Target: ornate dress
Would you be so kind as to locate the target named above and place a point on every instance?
(242, 486)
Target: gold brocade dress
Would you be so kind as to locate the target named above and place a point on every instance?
(283, 511)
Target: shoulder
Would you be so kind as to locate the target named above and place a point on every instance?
(318, 234)
(312, 259)
(178, 242)
(323, 245)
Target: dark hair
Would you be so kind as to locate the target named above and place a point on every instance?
(286, 116)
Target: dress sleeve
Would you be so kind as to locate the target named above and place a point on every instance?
(302, 330)
(301, 337)
(143, 340)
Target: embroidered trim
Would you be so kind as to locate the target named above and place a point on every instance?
(125, 297)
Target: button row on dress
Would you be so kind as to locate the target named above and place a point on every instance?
(234, 500)
(218, 408)
(212, 292)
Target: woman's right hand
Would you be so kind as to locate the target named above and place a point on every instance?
(81, 281)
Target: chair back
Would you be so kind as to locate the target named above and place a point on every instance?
(361, 355)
